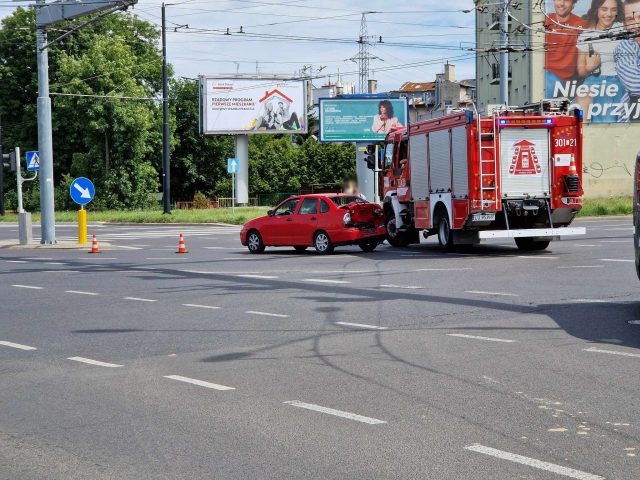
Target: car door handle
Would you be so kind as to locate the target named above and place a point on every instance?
(313, 218)
(289, 220)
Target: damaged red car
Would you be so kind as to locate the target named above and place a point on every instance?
(322, 221)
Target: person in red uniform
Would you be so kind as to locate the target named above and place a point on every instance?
(560, 44)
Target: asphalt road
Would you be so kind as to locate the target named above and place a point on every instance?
(138, 363)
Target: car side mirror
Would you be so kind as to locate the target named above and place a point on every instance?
(270, 213)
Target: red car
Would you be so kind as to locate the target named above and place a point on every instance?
(319, 220)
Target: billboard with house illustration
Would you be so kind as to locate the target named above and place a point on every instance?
(354, 119)
(252, 105)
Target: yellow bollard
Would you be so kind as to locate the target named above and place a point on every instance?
(82, 226)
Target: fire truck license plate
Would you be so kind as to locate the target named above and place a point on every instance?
(483, 217)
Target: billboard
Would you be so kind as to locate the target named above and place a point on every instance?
(585, 62)
(361, 119)
(252, 105)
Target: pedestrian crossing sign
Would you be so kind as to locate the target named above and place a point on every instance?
(33, 161)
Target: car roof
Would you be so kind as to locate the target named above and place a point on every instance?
(318, 195)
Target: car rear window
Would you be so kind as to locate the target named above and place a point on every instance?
(340, 201)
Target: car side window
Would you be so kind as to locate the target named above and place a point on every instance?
(287, 208)
(324, 207)
(309, 206)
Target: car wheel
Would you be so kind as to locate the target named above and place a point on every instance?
(254, 242)
(368, 246)
(528, 244)
(300, 248)
(445, 237)
(322, 243)
(394, 236)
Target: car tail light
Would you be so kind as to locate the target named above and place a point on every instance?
(347, 218)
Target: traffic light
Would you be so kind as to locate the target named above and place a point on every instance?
(9, 161)
(370, 157)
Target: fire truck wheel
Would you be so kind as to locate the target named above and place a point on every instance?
(445, 237)
(528, 244)
(368, 246)
(394, 237)
(322, 243)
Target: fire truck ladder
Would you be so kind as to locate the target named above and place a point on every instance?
(488, 154)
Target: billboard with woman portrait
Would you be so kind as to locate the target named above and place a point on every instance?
(361, 119)
(586, 59)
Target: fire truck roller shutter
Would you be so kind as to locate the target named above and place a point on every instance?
(440, 161)
(419, 167)
(460, 161)
(524, 162)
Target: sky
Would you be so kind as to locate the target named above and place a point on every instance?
(284, 36)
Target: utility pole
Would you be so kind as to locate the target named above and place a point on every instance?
(504, 52)
(166, 172)
(363, 54)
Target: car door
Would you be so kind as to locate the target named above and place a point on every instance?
(306, 222)
(277, 228)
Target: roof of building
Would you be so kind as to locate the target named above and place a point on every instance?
(469, 82)
(409, 87)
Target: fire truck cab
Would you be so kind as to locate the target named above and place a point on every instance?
(516, 173)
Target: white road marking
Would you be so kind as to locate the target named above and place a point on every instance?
(337, 413)
(591, 300)
(221, 248)
(94, 362)
(60, 271)
(127, 247)
(78, 292)
(38, 258)
(267, 314)
(611, 352)
(200, 383)
(137, 299)
(476, 337)
(532, 462)
(17, 345)
(361, 325)
(194, 305)
(408, 287)
(441, 269)
(614, 241)
(616, 260)
(28, 286)
(162, 258)
(324, 280)
(264, 277)
(581, 266)
(241, 258)
(498, 294)
(56, 263)
(634, 322)
(16, 261)
(96, 257)
(547, 257)
(585, 245)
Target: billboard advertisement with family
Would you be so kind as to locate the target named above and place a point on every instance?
(589, 60)
(252, 105)
(360, 119)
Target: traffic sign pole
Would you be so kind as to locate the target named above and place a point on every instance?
(233, 193)
(82, 225)
(19, 180)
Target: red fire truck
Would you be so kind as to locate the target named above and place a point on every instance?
(464, 177)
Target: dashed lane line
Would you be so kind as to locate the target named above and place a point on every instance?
(403, 287)
(497, 294)
(361, 325)
(615, 241)
(611, 352)
(56, 263)
(16, 345)
(195, 305)
(591, 300)
(200, 383)
(324, 280)
(546, 257)
(580, 266)
(30, 287)
(442, 269)
(259, 277)
(585, 245)
(94, 362)
(79, 292)
(337, 413)
(532, 462)
(476, 337)
(16, 261)
(267, 314)
(138, 299)
(616, 260)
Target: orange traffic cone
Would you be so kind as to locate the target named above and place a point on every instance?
(572, 167)
(181, 246)
(94, 245)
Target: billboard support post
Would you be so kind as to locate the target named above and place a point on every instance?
(242, 177)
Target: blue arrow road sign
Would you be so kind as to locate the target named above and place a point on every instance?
(82, 191)
(232, 165)
(33, 161)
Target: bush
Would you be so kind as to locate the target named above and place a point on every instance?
(200, 201)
